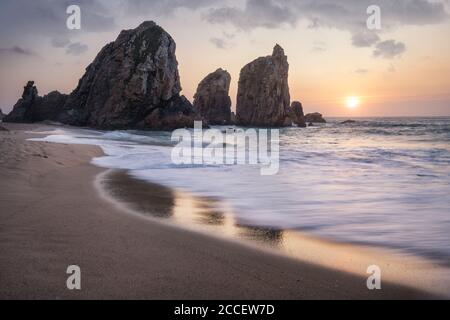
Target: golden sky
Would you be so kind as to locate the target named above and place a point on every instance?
(411, 77)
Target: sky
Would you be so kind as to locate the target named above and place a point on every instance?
(402, 69)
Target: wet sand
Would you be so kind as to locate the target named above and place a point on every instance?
(53, 216)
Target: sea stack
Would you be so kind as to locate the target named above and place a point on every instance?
(297, 115)
(133, 83)
(212, 100)
(263, 92)
(315, 118)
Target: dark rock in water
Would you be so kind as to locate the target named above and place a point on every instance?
(315, 118)
(310, 124)
(132, 83)
(31, 107)
(212, 100)
(297, 115)
(263, 93)
(2, 115)
(348, 122)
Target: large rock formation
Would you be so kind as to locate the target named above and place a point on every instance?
(133, 83)
(297, 115)
(315, 118)
(263, 94)
(2, 115)
(212, 100)
(31, 107)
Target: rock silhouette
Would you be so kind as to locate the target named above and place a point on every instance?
(263, 92)
(133, 83)
(296, 114)
(315, 118)
(212, 100)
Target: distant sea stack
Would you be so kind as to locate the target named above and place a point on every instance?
(315, 118)
(263, 92)
(296, 114)
(2, 115)
(212, 100)
(133, 83)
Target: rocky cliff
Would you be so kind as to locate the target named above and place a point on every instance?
(263, 92)
(133, 83)
(212, 100)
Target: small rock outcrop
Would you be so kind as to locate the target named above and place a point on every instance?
(296, 114)
(212, 100)
(263, 92)
(348, 122)
(22, 110)
(31, 107)
(315, 118)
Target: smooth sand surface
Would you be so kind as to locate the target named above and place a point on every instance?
(51, 216)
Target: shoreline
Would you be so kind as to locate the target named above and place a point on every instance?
(53, 218)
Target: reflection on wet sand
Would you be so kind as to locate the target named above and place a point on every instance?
(204, 213)
(216, 217)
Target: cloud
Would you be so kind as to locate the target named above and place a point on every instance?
(365, 39)
(319, 46)
(346, 15)
(162, 7)
(219, 43)
(389, 49)
(257, 13)
(361, 71)
(60, 42)
(26, 19)
(16, 50)
(76, 48)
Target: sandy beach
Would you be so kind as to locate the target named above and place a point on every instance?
(53, 216)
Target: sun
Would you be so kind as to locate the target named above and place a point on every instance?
(352, 102)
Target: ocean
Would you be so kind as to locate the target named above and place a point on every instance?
(382, 182)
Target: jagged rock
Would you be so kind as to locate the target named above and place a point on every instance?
(263, 93)
(31, 107)
(212, 100)
(132, 83)
(22, 110)
(315, 118)
(297, 115)
(49, 106)
(2, 115)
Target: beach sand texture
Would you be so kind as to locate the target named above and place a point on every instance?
(52, 216)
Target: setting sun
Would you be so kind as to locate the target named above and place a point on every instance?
(352, 102)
